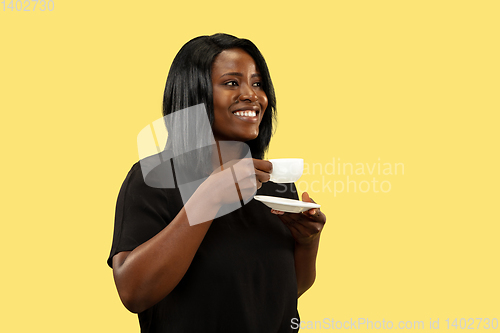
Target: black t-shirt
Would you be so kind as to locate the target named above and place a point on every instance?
(242, 278)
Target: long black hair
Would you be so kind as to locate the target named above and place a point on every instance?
(189, 83)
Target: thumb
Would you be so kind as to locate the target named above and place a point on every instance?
(305, 197)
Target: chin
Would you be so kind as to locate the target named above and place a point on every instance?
(252, 137)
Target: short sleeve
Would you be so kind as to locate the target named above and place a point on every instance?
(141, 212)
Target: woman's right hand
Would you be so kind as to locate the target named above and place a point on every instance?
(249, 175)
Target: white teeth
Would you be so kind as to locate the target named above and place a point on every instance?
(246, 113)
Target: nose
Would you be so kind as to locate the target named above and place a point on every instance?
(248, 94)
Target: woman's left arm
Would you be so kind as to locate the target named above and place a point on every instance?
(306, 229)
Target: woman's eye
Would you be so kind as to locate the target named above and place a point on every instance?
(257, 84)
(231, 83)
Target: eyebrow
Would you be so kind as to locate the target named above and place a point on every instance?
(240, 74)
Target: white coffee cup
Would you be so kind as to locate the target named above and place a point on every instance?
(286, 170)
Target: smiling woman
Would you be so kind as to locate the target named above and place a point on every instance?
(241, 271)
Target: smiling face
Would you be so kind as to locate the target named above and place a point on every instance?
(239, 100)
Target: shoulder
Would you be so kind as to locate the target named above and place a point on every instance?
(153, 171)
(148, 178)
(145, 194)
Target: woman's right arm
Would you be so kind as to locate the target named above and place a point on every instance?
(151, 271)
(147, 274)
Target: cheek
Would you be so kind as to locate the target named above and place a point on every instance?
(218, 107)
(263, 101)
(222, 99)
(216, 100)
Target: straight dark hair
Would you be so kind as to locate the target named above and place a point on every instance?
(189, 83)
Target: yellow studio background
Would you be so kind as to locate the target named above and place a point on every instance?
(380, 83)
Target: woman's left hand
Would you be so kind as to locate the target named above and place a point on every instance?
(305, 227)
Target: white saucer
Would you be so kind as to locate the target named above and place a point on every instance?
(286, 205)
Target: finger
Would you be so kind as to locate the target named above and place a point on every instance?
(312, 211)
(262, 176)
(263, 165)
(305, 197)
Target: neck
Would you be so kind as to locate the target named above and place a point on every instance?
(226, 151)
